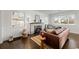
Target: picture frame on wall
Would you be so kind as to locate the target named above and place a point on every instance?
(37, 18)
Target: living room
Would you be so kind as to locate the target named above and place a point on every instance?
(20, 29)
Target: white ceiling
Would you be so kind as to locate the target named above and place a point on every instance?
(51, 11)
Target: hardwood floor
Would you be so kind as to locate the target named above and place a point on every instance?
(72, 43)
(19, 44)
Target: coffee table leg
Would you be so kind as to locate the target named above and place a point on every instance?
(42, 44)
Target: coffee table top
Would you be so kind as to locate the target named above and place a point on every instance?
(37, 39)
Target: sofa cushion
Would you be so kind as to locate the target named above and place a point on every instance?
(58, 31)
(49, 30)
(50, 27)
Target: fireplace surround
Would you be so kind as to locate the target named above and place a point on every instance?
(36, 27)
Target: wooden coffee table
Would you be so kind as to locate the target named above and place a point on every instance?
(39, 40)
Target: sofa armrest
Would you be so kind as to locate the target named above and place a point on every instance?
(52, 40)
(63, 37)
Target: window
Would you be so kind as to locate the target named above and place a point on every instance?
(69, 19)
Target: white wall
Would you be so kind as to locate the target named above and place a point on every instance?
(0, 28)
(73, 28)
(8, 30)
(5, 17)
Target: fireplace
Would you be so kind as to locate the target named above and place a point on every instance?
(37, 29)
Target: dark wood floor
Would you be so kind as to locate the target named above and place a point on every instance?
(73, 42)
(19, 43)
